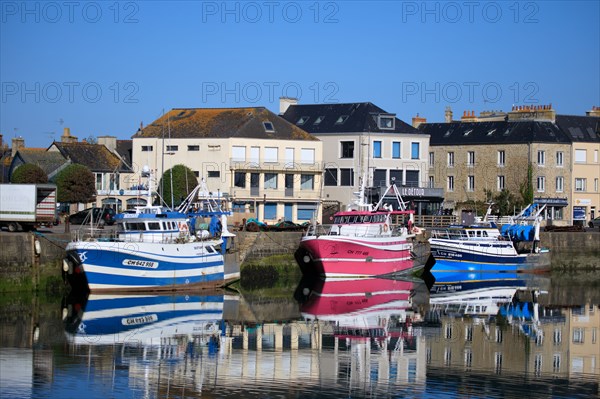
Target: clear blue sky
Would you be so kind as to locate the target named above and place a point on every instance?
(101, 68)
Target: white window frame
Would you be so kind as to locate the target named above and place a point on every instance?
(289, 155)
(471, 183)
(541, 184)
(471, 158)
(501, 158)
(431, 159)
(450, 183)
(580, 156)
(560, 184)
(560, 159)
(501, 182)
(307, 156)
(271, 155)
(255, 154)
(450, 159)
(580, 184)
(541, 158)
(238, 153)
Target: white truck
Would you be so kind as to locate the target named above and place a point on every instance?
(27, 206)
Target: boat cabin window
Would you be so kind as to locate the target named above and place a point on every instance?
(153, 226)
(210, 249)
(135, 226)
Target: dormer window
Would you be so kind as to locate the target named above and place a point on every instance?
(318, 120)
(341, 119)
(268, 127)
(302, 120)
(386, 122)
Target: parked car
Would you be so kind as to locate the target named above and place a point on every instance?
(595, 223)
(107, 215)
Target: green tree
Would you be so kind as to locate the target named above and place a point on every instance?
(75, 183)
(29, 174)
(184, 181)
(504, 202)
(526, 188)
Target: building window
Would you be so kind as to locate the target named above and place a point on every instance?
(331, 177)
(302, 120)
(396, 153)
(578, 335)
(471, 158)
(193, 148)
(347, 149)
(172, 148)
(238, 153)
(450, 183)
(214, 173)
(386, 122)
(469, 333)
(268, 127)
(197, 173)
(271, 154)
(380, 178)
(307, 182)
(501, 183)
(560, 184)
(270, 211)
(99, 185)
(341, 119)
(397, 176)
(451, 159)
(271, 180)
(556, 363)
(541, 158)
(147, 148)
(471, 183)
(431, 182)
(580, 156)
(541, 184)
(580, 184)
(254, 154)
(318, 120)
(307, 156)
(415, 151)
(239, 179)
(560, 158)
(431, 159)
(346, 177)
(557, 336)
(501, 158)
(537, 365)
(596, 185)
(289, 156)
(377, 149)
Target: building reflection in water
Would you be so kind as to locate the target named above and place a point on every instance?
(367, 336)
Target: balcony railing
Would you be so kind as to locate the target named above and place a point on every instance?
(238, 192)
(253, 165)
(114, 193)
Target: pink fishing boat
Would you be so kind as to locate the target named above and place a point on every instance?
(363, 241)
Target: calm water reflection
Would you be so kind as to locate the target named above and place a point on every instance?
(478, 336)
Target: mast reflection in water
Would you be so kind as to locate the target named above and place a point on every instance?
(478, 335)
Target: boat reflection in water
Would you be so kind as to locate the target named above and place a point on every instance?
(142, 319)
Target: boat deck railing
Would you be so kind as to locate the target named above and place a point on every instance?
(99, 235)
(358, 230)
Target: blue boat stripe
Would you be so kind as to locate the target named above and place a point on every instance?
(97, 280)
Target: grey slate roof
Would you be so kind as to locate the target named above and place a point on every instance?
(223, 123)
(47, 160)
(580, 128)
(361, 117)
(474, 133)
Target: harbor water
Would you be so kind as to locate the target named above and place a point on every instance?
(536, 336)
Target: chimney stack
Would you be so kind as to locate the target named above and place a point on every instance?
(595, 111)
(17, 144)
(109, 141)
(285, 102)
(66, 137)
(448, 115)
(418, 120)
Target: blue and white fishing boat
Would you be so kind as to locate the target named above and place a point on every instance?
(483, 247)
(154, 249)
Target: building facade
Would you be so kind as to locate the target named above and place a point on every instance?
(263, 166)
(362, 141)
